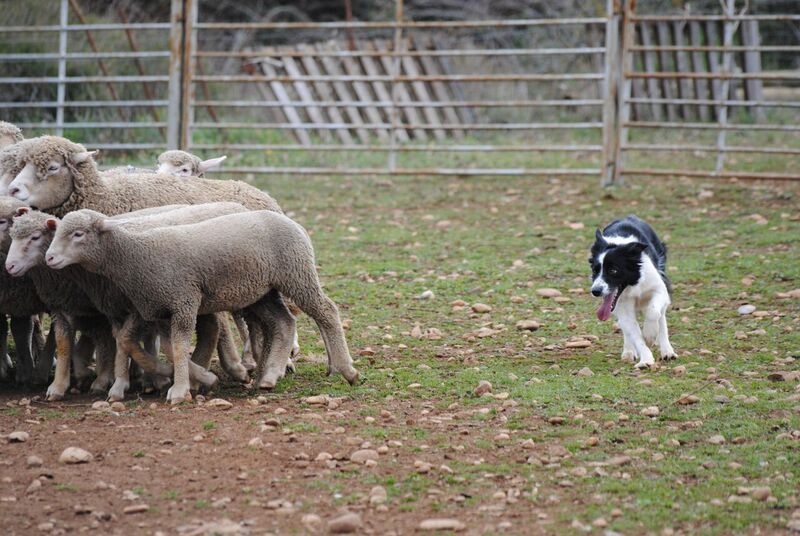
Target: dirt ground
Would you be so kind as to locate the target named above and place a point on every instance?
(567, 441)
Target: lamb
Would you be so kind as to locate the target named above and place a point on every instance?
(31, 238)
(243, 261)
(59, 176)
(10, 136)
(71, 310)
(18, 299)
(186, 164)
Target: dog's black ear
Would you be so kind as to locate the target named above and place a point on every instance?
(634, 248)
(598, 235)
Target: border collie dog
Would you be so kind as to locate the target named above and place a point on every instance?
(629, 272)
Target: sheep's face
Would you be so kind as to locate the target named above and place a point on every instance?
(46, 184)
(9, 168)
(27, 249)
(75, 240)
(180, 170)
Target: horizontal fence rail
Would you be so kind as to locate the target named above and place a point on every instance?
(629, 93)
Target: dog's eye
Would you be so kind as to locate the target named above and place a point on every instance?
(613, 271)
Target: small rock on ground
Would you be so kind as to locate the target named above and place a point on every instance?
(442, 524)
(72, 455)
(483, 388)
(345, 523)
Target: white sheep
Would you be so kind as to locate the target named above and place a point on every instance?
(241, 261)
(185, 164)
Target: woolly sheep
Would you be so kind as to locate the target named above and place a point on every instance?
(186, 164)
(59, 176)
(9, 134)
(241, 261)
(19, 300)
(32, 236)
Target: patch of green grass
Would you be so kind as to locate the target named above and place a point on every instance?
(209, 425)
(66, 486)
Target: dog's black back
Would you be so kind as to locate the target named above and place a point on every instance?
(634, 226)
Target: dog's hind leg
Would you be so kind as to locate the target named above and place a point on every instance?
(626, 315)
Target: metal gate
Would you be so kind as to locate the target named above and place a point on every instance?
(406, 97)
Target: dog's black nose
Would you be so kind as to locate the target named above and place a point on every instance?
(596, 292)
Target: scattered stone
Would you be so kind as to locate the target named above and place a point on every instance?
(528, 325)
(34, 461)
(746, 309)
(312, 522)
(761, 493)
(784, 376)
(135, 509)
(483, 388)
(361, 456)
(442, 524)
(426, 295)
(651, 411)
(101, 405)
(556, 420)
(81, 509)
(484, 332)
(548, 292)
(377, 495)
(716, 439)
(219, 403)
(680, 369)
(585, 372)
(255, 442)
(18, 437)
(592, 441)
(47, 526)
(119, 407)
(792, 294)
(72, 455)
(580, 343)
(345, 523)
(34, 486)
(317, 400)
(481, 308)
(687, 400)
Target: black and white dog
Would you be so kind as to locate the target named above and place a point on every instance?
(629, 272)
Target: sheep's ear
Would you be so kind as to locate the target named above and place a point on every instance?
(211, 163)
(108, 224)
(22, 210)
(79, 158)
(51, 223)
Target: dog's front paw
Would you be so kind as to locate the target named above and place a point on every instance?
(668, 353)
(628, 356)
(645, 363)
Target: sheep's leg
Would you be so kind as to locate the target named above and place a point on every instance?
(295, 310)
(244, 337)
(229, 358)
(5, 360)
(128, 342)
(313, 301)
(279, 330)
(154, 381)
(208, 331)
(43, 351)
(121, 372)
(22, 331)
(65, 339)
(180, 336)
(81, 358)
(106, 361)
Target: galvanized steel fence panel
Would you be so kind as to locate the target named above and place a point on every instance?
(390, 98)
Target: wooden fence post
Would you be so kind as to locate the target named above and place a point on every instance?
(175, 86)
(61, 91)
(610, 92)
(623, 100)
(190, 8)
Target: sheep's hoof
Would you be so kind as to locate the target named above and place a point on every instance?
(248, 362)
(267, 385)
(239, 374)
(55, 397)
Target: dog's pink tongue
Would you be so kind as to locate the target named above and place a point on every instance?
(604, 312)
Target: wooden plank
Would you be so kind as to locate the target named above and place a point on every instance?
(611, 91)
(752, 64)
(421, 91)
(306, 96)
(653, 91)
(441, 93)
(410, 114)
(362, 90)
(381, 91)
(667, 59)
(683, 64)
(712, 38)
(325, 92)
(282, 96)
(701, 86)
(342, 90)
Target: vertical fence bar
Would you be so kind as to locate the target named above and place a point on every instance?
(398, 43)
(727, 68)
(610, 93)
(623, 99)
(190, 8)
(175, 86)
(61, 92)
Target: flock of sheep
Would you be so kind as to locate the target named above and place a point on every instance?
(124, 259)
